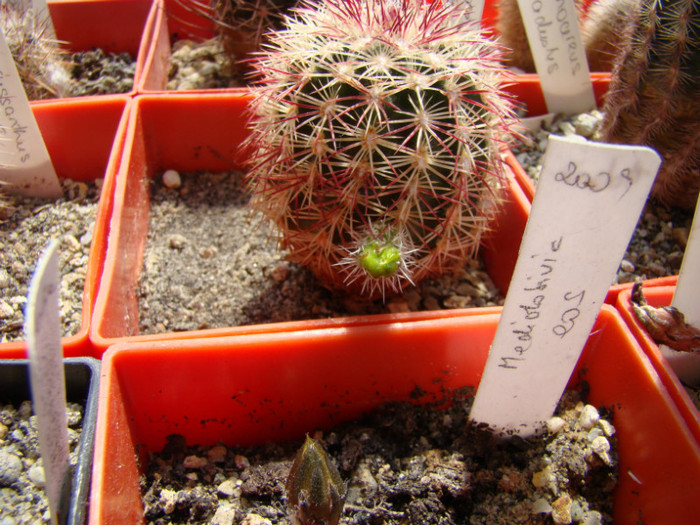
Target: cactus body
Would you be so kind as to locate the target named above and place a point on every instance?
(601, 31)
(375, 133)
(37, 55)
(654, 95)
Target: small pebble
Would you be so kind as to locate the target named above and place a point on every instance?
(227, 488)
(224, 515)
(541, 506)
(627, 266)
(171, 179)
(10, 468)
(36, 475)
(555, 424)
(217, 454)
(588, 418)
(254, 519)
(177, 241)
(168, 499)
(194, 462)
(561, 510)
(601, 446)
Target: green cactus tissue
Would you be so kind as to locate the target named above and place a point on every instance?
(375, 133)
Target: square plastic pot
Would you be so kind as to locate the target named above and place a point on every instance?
(115, 26)
(82, 387)
(251, 389)
(658, 296)
(189, 132)
(84, 138)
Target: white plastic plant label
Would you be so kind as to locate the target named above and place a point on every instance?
(588, 200)
(552, 30)
(43, 329)
(687, 299)
(25, 164)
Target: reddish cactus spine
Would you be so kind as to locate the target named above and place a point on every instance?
(376, 130)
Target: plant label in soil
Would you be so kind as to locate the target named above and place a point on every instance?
(42, 325)
(25, 165)
(588, 201)
(553, 33)
(687, 299)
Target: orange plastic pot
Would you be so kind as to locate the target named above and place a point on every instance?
(115, 26)
(84, 138)
(660, 296)
(189, 132)
(254, 388)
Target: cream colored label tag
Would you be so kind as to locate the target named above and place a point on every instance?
(687, 299)
(555, 41)
(472, 10)
(25, 165)
(43, 329)
(589, 198)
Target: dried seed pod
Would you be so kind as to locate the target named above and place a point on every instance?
(315, 491)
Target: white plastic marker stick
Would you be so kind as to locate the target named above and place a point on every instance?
(687, 299)
(43, 329)
(25, 162)
(589, 198)
(43, 16)
(552, 30)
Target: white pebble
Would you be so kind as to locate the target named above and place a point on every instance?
(627, 266)
(601, 446)
(588, 418)
(607, 427)
(555, 424)
(541, 506)
(224, 515)
(171, 179)
(36, 475)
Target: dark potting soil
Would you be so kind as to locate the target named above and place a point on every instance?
(95, 72)
(403, 464)
(22, 498)
(208, 264)
(27, 225)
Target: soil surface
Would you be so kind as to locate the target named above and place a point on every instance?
(98, 73)
(22, 497)
(403, 464)
(208, 263)
(27, 225)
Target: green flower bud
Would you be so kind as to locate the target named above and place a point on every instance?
(380, 260)
(315, 491)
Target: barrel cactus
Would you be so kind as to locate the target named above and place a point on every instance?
(654, 92)
(375, 140)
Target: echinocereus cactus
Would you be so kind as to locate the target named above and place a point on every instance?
(601, 31)
(37, 55)
(375, 134)
(654, 95)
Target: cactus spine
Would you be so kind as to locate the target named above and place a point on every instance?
(654, 95)
(375, 133)
(37, 56)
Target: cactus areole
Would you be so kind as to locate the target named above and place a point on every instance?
(375, 135)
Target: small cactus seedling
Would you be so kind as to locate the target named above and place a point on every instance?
(375, 135)
(654, 95)
(37, 56)
(315, 491)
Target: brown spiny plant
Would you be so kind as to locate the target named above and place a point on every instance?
(601, 31)
(654, 95)
(376, 130)
(37, 54)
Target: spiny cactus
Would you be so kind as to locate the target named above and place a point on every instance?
(601, 31)
(375, 139)
(37, 56)
(654, 95)
(241, 24)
